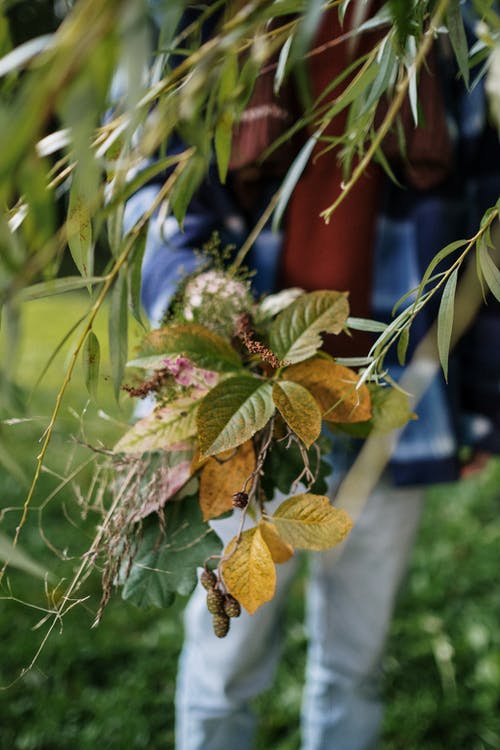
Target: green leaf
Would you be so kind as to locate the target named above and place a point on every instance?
(135, 277)
(56, 286)
(445, 320)
(161, 429)
(292, 177)
(118, 330)
(91, 355)
(167, 565)
(284, 464)
(299, 409)
(295, 334)
(205, 348)
(489, 269)
(232, 412)
(458, 38)
(185, 187)
(310, 522)
(24, 53)
(223, 139)
(20, 559)
(79, 231)
(403, 342)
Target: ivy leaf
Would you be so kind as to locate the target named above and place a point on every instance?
(222, 476)
(161, 429)
(249, 572)
(310, 522)
(295, 335)
(232, 412)
(280, 550)
(166, 565)
(445, 321)
(203, 347)
(334, 388)
(299, 409)
(91, 355)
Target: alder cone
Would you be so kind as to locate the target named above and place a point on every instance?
(220, 625)
(232, 606)
(208, 579)
(215, 602)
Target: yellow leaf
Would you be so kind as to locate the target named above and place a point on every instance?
(280, 550)
(299, 409)
(222, 476)
(310, 522)
(334, 388)
(249, 572)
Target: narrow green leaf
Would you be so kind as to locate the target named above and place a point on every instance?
(79, 232)
(282, 65)
(135, 277)
(489, 269)
(403, 341)
(91, 355)
(185, 187)
(223, 139)
(56, 286)
(118, 330)
(458, 38)
(24, 53)
(437, 259)
(232, 412)
(445, 320)
(295, 335)
(292, 177)
(20, 559)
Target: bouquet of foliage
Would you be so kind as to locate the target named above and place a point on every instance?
(240, 392)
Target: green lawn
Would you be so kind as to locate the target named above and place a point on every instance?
(113, 686)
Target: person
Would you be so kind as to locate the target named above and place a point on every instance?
(378, 249)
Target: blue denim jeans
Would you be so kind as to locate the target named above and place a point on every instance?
(351, 596)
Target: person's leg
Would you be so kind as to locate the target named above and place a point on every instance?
(350, 605)
(218, 678)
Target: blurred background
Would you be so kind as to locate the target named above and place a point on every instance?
(115, 684)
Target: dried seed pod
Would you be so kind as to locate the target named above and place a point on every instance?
(232, 606)
(240, 500)
(220, 625)
(208, 579)
(215, 602)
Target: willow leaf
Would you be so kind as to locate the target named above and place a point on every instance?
(445, 320)
(118, 330)
(91, 355)
(489, 269)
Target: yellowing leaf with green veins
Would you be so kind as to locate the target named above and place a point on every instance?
(221, 477)
(249, 572)
(299, 409)
(159, 430)
(203, 347)
(310, 522)
(334, 388)
(295, 335)
(232, 412)
(280, 550)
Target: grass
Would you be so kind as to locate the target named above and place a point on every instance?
(114, 685)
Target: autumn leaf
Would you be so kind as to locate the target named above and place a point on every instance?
(249, 572)
(222, 476)
(310, 522)
(280, 550)
(334, 388)
(160, 430)
(203, 347)
(299, 409)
